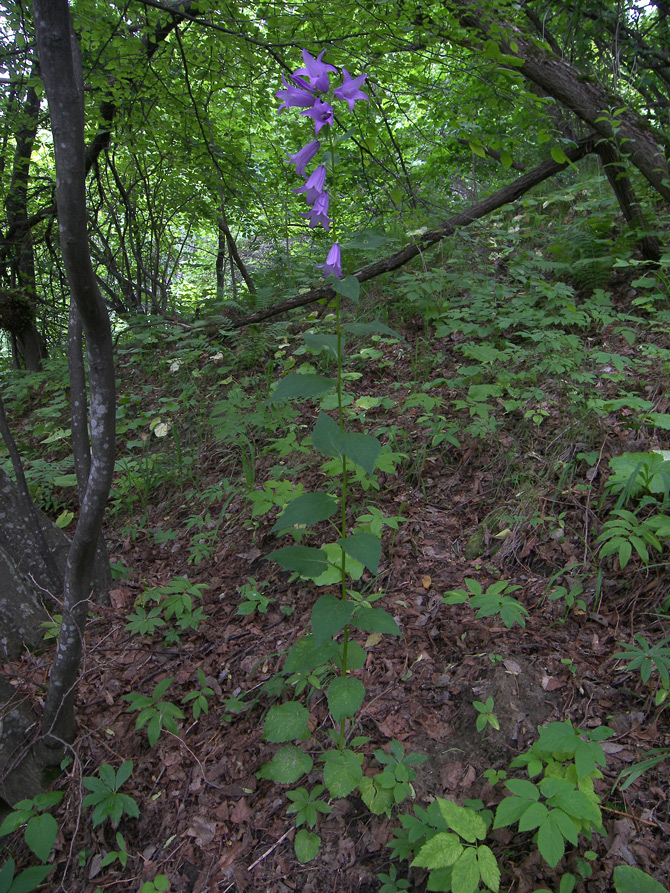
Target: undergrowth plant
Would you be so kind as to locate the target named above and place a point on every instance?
(327, 658)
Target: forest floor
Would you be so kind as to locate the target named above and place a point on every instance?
(209, 823)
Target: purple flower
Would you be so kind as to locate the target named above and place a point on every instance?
(314, 185)
(319, 213)
(350, 90)
(302, 158)
(333, 264)
(321, 112)
(296, 94)
(316, 71)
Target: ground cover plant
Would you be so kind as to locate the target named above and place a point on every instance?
(381, 602)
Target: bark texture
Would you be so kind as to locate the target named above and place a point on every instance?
(60, 64)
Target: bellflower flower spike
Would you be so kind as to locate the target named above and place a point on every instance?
(350, 90)
(319, 213)
(302, 158)
(314, 185)
(316, 71)
(321, 112)
(296, 94)
(333, 264)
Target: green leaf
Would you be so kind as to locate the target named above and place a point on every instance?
(306, 845)
(342, 772)
(345, 696)
(124, 772)
(40, 834)
(509, 811)
(30, 879)
(440, 851)
(550, 841)
(488, 868)
(464, 821)
(364, 547)
(310, 508)
(370, 328)
(288, 765)
(533, 816)
(306, 655)
(632, 880)
(522, 788)
(295, 386)
(304, 560)
(559, 155)
(558, 737)
(364, 449)
(375, 620)
(285, 722)
(349, 287)
(318, 342)
(465, 873)
(329, 615)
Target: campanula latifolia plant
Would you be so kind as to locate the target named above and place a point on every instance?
(328, 655)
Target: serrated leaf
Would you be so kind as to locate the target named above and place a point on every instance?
(440, 851)
(345, 696)
(465, 873)
(550, 842)
(364, 547)
(329, 615)
(306, 655)
(327, 438)
(308, 509)
(295, 386)
(520, 787)
(488, 868)
(466, 822)
(306, 845)
(533, 816)
(288, 765)
(375, 620)
(285, 722)
(558, 737)
(509, 811)
(303, 560)
(342, 772)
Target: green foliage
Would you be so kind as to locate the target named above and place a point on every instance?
(105, 796)
(633, 880)
(158, 885)
(198, 698)
(253, 598)
(646, 658)
(175, 603)
(447, 840)
(563, 803)
(306, 806)
(393, 785)
(623, 532)
(155, 713)
(486, 716)
(496, 600)
(40, 829)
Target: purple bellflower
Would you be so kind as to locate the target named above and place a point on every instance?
(316, 71)
(333, 264)
(314, 185)
(322, 113)
(350, 90)
(319, 213)
(302, 158)
(297, 94)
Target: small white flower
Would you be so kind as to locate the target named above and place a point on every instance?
(175, 364)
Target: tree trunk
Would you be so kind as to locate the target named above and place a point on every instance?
(60, 64)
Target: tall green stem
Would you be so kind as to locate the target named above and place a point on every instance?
(340, 418)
